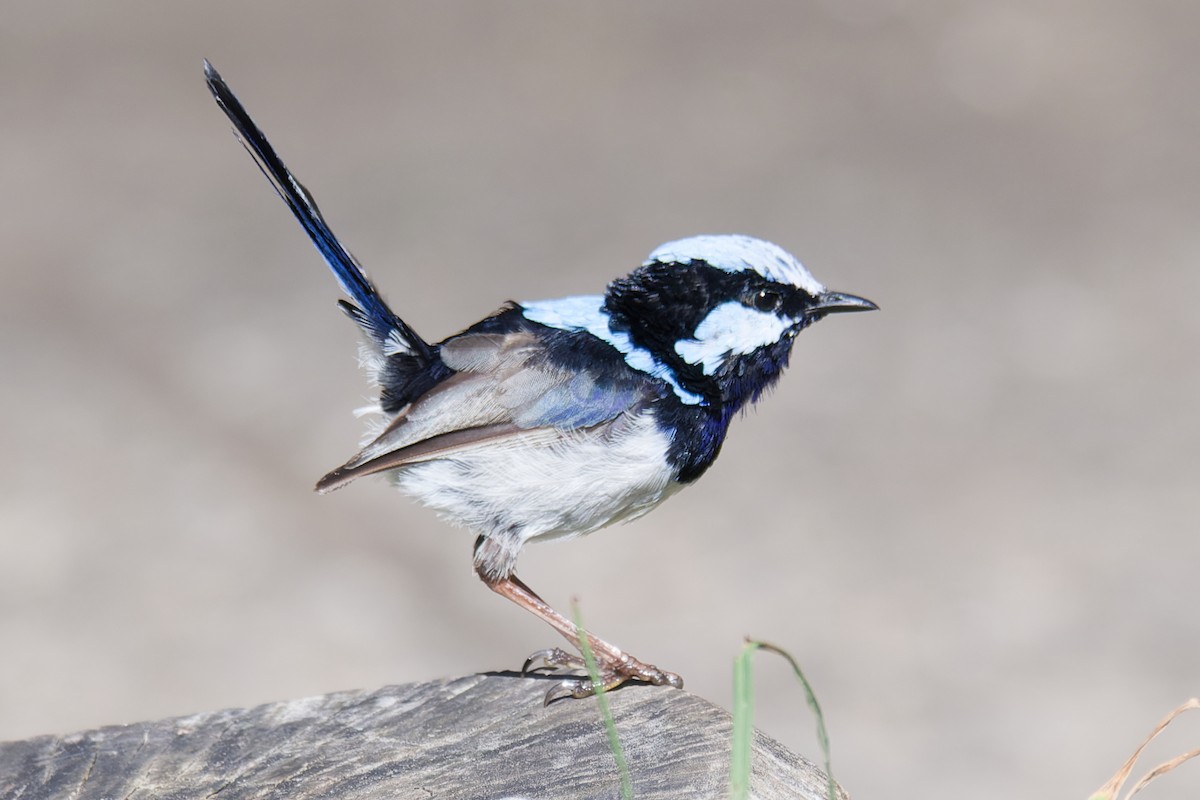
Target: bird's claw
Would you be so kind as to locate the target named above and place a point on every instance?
(611, 674)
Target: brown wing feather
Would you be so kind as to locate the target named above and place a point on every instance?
(434, 447)
(500, 390)
(469, 408)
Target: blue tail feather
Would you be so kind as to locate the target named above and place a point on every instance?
(370, 311)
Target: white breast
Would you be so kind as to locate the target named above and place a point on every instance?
(547, 484)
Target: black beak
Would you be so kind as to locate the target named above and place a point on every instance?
(836, 302)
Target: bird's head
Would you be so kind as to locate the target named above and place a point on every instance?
(721, 313)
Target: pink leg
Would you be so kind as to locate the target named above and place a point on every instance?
(615, 665)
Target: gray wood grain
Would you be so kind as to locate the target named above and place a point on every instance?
(481, 736)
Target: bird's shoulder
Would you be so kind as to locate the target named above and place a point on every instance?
(564, 377)
(576, 337)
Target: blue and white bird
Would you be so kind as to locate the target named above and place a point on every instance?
(552, 419)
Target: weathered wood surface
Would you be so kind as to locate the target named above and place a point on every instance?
(482, 737)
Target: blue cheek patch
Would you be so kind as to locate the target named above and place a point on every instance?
(731, 329)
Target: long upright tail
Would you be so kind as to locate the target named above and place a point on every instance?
(389, 332)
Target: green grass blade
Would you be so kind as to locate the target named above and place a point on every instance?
(811, 698)
(743, 724)
(610, 726)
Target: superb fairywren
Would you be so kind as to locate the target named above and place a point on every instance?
(555, 418)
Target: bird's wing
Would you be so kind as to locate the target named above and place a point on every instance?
(504, 389)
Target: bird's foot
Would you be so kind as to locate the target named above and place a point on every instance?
(612, 673)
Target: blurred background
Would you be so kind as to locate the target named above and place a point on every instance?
(972, 516)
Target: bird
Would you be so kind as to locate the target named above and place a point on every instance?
(551, 419)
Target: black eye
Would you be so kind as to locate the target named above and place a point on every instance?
(767, 300)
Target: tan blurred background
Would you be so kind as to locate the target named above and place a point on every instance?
(972, 515)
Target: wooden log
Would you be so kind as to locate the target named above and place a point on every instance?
(481, 737)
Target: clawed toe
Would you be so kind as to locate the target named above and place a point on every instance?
(552, 659)
(571, 687)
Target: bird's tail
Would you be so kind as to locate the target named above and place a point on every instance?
(387, 331)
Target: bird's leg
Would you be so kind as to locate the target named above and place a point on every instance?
(615, 665)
